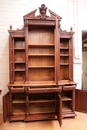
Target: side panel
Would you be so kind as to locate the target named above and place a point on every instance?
(6, 107)
(81, 100)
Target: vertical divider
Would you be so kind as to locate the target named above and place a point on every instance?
(27, 104)
(13, 60)
(70, 59)
(26, 51)
(11, 51)
(57, 49)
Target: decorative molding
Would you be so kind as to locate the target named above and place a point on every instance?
(48, 22)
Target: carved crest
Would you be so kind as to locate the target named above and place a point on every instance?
(42, 11)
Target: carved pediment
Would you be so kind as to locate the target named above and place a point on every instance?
(30, 15)
(43, 13)
(54, 15)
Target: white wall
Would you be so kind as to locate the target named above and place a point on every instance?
(73, 13)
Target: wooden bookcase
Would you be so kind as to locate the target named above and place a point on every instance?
(41, 85)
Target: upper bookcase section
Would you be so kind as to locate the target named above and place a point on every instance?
(41, 16)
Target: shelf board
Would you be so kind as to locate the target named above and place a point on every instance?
(41, 101)
(40, 84)
(19, 69)
(64, 54)
(19, 48)
(64, 48)
(41, 67)
(64, 63)
(41, 54)
(64, 98)
(18, 101)
(36, 45)
(19, 61)
(17, 84)
(17, 118)
(45, 116)
(33, 84)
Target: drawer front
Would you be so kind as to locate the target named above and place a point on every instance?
(71, 87)
(17, 90)
(45, 90)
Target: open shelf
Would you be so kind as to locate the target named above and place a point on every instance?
(19, 75)
(19, 43)
(42, 98)
(66, 108)
(41, 74)
(18, 109)
(41, 108)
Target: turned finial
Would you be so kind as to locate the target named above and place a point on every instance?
(71, 29)
(10, 27)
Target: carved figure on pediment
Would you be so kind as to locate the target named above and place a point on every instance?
(43, 10)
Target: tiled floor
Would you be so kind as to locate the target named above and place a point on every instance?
(77, 123)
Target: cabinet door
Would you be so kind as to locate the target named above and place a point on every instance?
(81, 100)
(6, 107)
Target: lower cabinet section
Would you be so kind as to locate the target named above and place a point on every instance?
(34, 105)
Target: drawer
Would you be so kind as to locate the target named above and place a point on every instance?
(45, 90)
(71, 87)
(17, 89)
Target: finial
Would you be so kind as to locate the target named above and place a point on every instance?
(71, 29)
(10, 27)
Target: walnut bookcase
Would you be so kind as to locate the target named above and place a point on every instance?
(41, 85)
